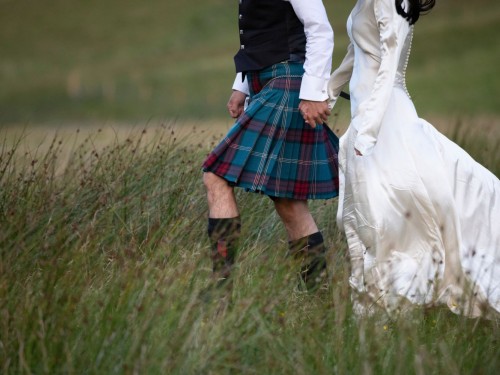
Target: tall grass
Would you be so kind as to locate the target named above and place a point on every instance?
(103, 255)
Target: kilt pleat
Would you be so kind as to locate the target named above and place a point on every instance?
(270, 149)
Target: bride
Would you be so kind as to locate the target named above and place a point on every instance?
(421, 217)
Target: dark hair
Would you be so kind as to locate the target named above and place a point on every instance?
(416, 7)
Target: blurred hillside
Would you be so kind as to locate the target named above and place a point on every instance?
(75, 60)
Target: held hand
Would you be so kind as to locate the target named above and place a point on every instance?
(236, 103)
(314, 112)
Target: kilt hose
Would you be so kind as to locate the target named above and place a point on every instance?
(270, 149)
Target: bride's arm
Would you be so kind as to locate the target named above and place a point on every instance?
(340, 76)
(392, 29)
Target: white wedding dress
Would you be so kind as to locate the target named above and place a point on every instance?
(421, 217)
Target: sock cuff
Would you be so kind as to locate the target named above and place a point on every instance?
(315, 239)
(306, 243)
(224, 224)
(310, 240)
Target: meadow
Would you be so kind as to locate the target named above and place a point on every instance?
(103, 254)
(107, 110)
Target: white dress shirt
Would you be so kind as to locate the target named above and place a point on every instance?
(319, 49)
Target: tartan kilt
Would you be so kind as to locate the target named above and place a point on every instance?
(270, 149)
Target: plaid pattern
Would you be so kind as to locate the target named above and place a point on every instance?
(270, 149)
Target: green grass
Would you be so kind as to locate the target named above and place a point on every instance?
(103, 249)
(66, 61)
(103, 252)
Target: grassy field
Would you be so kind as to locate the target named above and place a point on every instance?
(86, 61)
(103, 253)
(107, 109)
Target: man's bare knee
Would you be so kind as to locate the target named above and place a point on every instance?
(213, 182)
(290, 208)
(220, 196)
(296, 217)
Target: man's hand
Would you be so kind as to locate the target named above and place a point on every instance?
(236, 103)
(314, 112)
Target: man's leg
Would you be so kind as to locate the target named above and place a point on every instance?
(305, 240)
(223, 224)
(296, 217)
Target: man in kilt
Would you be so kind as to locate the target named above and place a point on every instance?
(280, 145)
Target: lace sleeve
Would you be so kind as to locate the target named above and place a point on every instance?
(392, 31)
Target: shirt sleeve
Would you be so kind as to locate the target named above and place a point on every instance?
(319, 48)
(241, 85)
(340, 76)
(392, 30)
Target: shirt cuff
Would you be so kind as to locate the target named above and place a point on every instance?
(240, 85)
(313, 88)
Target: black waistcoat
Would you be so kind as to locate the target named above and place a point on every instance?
(269, 33)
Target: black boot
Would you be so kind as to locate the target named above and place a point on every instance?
(311, 251)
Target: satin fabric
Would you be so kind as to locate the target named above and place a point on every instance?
(421, 217)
